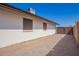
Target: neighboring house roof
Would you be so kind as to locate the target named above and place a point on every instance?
(29, 13)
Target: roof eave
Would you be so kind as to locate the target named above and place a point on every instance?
(30, 13)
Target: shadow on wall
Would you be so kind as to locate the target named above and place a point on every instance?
(65, 47)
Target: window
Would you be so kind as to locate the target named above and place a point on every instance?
(27, 24)
(44, 26)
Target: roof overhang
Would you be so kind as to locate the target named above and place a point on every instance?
(29, 13)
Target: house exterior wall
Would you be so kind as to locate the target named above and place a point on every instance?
(11, 27)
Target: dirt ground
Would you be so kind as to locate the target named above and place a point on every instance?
(52, 45)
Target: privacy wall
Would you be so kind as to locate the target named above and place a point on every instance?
(76, 32)
(65, 30)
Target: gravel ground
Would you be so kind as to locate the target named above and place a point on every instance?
(52, 45)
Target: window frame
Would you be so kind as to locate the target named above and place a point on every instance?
(26, 30)
(44, 26)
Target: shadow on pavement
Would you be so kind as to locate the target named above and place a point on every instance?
(65, 47)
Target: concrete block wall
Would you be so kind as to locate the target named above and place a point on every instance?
(76, 33)
(65, 30)
(69, 30)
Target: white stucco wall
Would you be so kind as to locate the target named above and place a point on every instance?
(11, 28)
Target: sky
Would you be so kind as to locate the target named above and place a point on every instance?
(65, 14)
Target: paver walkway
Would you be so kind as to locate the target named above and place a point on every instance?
(58, 44)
